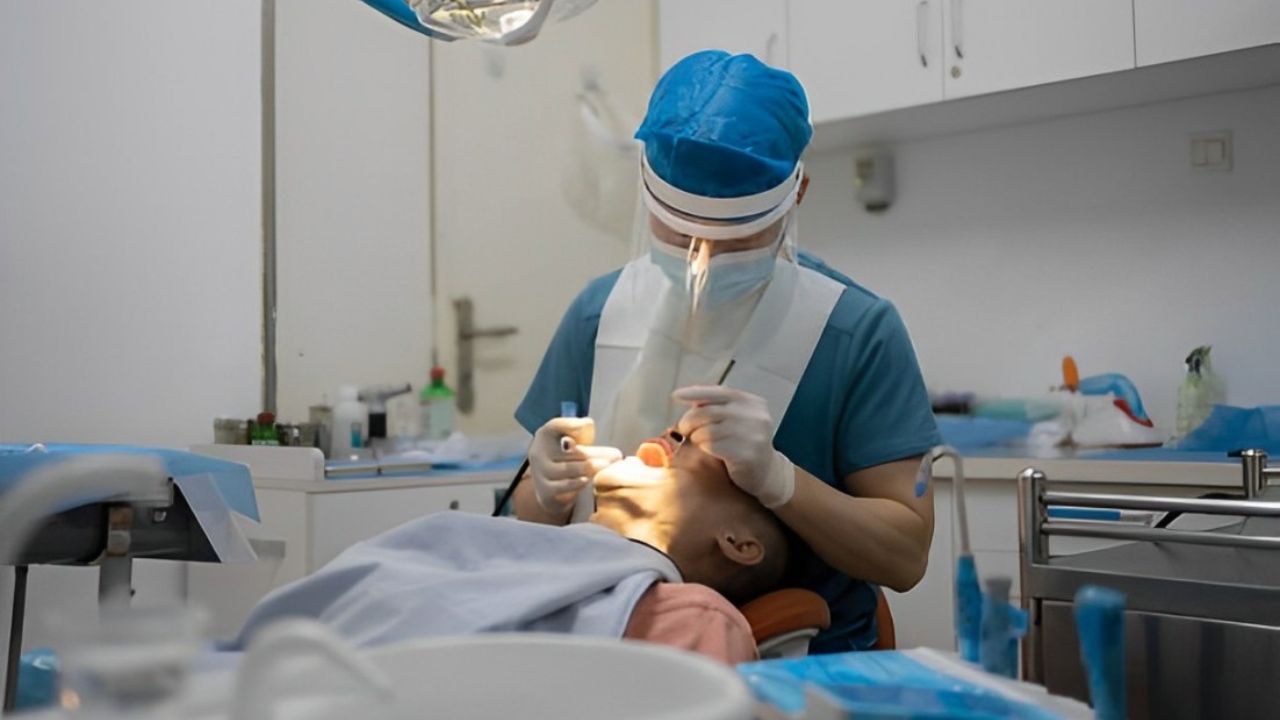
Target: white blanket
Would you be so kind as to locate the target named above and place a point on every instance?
(454, 573)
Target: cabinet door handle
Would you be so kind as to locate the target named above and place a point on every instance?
(454, 505)
(957, 27)
(922, 16)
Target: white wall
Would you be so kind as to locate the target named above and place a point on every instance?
(352, 153)
(130, 236)
(507, 236)
(130, 215)
(1088, 235)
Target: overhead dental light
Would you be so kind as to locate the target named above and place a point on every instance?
(502, 22)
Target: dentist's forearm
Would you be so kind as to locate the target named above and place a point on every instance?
(527, 508)
(884, 540)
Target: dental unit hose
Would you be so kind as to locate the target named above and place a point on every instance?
(968, 593)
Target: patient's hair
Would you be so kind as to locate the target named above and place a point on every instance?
(743, 583)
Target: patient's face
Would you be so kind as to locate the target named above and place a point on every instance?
(667, 507)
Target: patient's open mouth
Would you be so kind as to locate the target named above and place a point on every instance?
(658, 451)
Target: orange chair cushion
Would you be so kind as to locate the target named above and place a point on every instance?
(784, 611)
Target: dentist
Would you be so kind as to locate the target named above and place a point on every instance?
(803, 383)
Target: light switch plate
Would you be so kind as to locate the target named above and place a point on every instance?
(1211, 151)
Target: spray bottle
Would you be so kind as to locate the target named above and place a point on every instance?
(376, 396)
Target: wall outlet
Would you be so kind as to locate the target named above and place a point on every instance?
(1211, 151)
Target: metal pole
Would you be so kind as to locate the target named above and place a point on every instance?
(1254, 508)
(268, 81)
(1031, 550)
(15, 637)
(1253, 463)
(1141, 534)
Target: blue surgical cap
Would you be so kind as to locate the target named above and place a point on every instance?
(724, 126)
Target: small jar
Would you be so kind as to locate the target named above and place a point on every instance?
(230, 431)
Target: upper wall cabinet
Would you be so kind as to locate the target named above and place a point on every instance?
(994, 45)
(866, 56)
(1178, 29)
(758, 27)
(863, 60)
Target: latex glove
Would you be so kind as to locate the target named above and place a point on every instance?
(562, 461)
(735, 426)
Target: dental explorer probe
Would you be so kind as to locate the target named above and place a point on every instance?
(682, 438)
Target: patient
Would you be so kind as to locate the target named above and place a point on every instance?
(657, 560)
(716, 534)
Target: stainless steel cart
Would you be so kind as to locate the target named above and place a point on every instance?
(1202, 629)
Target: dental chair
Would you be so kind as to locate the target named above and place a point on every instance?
(784, 621)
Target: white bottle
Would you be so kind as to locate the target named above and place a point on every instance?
(350, 430)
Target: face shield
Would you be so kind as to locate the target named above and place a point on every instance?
(720, 179)
(717, 250)
(721, 174)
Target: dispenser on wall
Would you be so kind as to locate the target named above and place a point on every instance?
(873, 179)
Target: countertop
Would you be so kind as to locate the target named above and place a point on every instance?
(1155, 466)
(302, 470)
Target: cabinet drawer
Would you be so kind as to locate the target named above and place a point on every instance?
(343, 518)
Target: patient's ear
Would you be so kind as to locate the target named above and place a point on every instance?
(741, 547)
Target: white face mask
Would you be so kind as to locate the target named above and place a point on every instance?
(716, 279)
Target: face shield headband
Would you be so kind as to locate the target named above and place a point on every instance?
(717, 218)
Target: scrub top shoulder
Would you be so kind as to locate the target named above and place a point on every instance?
(863, 382)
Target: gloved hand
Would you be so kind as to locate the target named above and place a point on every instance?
(735, 426)
(562, 461)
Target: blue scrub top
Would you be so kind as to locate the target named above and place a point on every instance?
(862, 382)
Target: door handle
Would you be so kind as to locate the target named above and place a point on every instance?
(468, 333)
(500, 331)
(957, 27)
(922, 15)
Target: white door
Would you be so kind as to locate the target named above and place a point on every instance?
(994, 45)
(856, 58)
(505, 124)
(758, 27)
(1176, 29)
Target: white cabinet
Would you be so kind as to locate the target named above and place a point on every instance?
(875, 70)
(758, 27)
(856, 58)
(994, 45)
(1179, 29)
(342, 519)
(317, 519)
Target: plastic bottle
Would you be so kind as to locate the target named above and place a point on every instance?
(438, 405)
(350, 430)
(264, 430)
